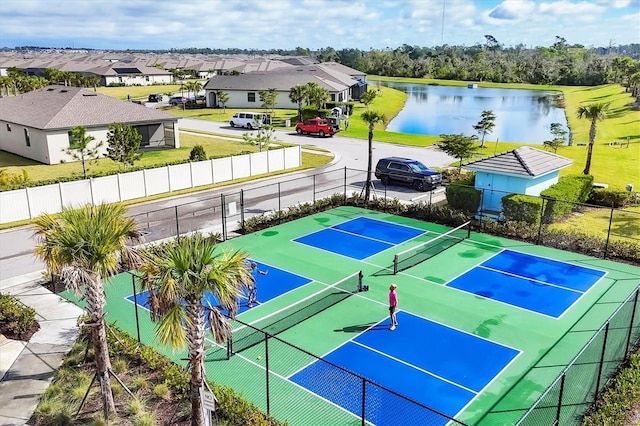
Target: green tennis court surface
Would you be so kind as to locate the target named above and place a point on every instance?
(478, 320)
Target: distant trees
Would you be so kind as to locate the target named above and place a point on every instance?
(594, 112)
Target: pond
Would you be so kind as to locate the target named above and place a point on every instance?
(522, 116)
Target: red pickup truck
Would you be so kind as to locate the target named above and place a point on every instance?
(320, 126)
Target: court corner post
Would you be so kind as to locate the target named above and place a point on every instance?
(395, 264)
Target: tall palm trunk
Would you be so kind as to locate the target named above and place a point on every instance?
(95, 306)
(592, 139)
(367, 190)
(195, 336)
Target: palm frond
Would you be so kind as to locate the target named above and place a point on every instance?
(170, 331)
(218, 325)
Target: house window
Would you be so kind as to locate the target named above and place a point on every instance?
(27, 139)
(251, 97)
(73, 143)
(333, 97)
(8, 127)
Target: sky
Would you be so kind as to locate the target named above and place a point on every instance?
(314, 24)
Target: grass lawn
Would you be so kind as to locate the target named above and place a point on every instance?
(596, 221)
(213, 146)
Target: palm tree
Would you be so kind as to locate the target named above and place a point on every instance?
(594, 112)
(82, 247)
(372, 118)
(177, 278)
(223, 98)
(298, 94)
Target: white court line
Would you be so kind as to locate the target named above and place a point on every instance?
(417, 368)
(501, 271)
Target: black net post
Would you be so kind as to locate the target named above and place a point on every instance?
(541, 221)
(242, 209)
(224, 218)
(395, 264)
(314, 191)
(279, 199)
(604, 349)
(266, 369)
(606, 244)
(633, 317)
(177, 222)
(135, 304)
(557, 420)
(345, 186)
(364, 401)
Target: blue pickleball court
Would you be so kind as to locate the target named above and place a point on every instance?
(534, 283)
(360, 238)
(271, 283)
(435, 365)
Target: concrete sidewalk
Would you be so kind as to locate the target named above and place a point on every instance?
(27, 368)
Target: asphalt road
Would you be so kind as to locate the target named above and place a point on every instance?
(200, 210)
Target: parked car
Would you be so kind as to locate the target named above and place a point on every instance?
(177, 100)
(250, 120)
(320, 126)
(407, 171)
(155, 97)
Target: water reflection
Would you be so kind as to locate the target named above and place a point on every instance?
(521, 115)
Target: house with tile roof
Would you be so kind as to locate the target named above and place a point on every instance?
(524, 170)
(243, 89)
(37, 124)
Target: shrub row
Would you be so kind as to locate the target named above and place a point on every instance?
(529, 231)
(16, 320)
(615, 198)
(231, 408)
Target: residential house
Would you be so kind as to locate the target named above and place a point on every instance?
(243, 89)
(37, 124)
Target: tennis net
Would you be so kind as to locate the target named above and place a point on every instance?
(411, 257)
(245, 337)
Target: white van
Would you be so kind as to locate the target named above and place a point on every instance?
(250, 120)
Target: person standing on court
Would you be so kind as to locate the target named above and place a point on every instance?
(393, 306)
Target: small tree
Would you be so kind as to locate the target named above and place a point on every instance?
(594, 112)
(458, 146)
(263, 137)
(223, 98)
(372, 118)
(268, 98)
(368, 97)
(298, 94)
(80, 148)
(558, 137)
(197, 153)
(123, 144)
(485, 125)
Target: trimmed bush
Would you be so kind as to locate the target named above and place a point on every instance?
(197, 153)
(525, 208)
(463, 197)
(615, 198)
(17, 321)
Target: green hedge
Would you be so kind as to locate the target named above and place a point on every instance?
(615, 198)
(563, 196)
(462, 196)
(16, 320)
(525, 208)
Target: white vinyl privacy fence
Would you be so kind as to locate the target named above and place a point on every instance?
(28, 203)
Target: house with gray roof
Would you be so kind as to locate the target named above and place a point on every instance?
(243, 89)
(37, 124)
(524, 170)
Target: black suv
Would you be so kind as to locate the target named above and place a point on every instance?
(407, 171)
(155, 97)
